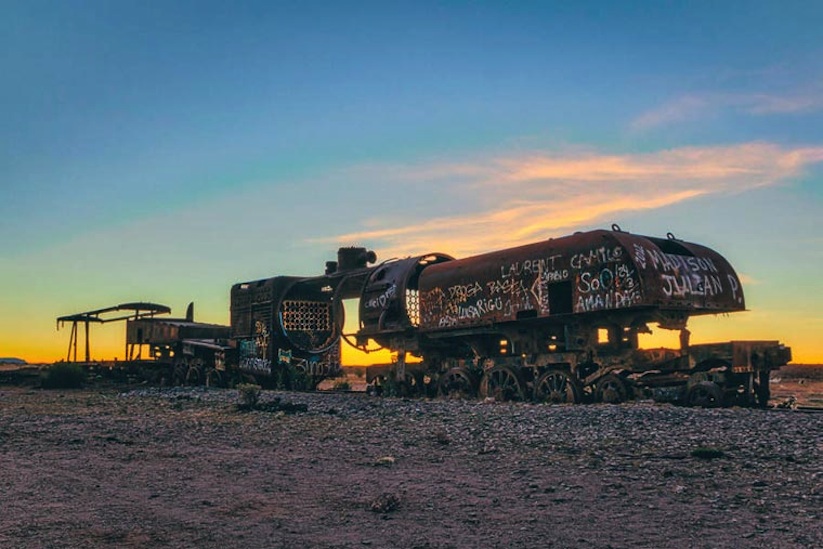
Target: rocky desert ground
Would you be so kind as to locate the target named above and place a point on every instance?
(112, 466)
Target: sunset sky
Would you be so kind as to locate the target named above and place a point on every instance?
(162, 151)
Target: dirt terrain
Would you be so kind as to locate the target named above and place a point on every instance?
(800, 385)
(183, 467)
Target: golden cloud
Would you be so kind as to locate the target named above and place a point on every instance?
(512, 200)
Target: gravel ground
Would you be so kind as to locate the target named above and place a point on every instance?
(185, 468)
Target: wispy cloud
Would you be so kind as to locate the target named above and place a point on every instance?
(681, 109)
(699, 106)
(512, 200)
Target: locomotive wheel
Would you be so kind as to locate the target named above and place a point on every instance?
(502, 383)
(411, 386)
(612, 389)
(178, 376)
(194, 375)
(214, 378)
(301, 378)
(557, 387)
(705, 394)
(457, 382)
(377, 386)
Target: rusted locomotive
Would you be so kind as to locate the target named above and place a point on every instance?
(555, 321)
(559, 321)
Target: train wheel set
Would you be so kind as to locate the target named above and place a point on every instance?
(552, 387)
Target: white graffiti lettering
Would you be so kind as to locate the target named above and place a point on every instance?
(529, 266)
(691, 284)
(640, 255)
(596, 257)
(606, 300)
(735, 286)
(489, 305)
(252, 364)
(679, 264)
(506, 286)
(383, 299)
(462, 292)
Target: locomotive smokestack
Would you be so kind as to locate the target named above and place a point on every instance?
(354, 258)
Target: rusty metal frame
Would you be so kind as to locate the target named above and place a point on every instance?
(141, 310)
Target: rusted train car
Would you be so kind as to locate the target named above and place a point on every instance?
(559, 321)
(158, 348)
(287, 330)
(180, 350)
(556, 321)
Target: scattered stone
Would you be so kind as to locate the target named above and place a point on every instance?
(441, 437)
(487, 470)
(385, 503)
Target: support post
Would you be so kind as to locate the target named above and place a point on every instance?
(88, 354)
(401, 365)
(72, 343)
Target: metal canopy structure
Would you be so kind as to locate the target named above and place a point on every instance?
(138, 310)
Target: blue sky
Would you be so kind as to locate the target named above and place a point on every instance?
(165, 150)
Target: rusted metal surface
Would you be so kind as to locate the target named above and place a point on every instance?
(177, 350)
(177, 340)
(593, 272)
(390, 300)
(252, 305)
(140, 309)
(160, 332)
(309, 317)
(99, 316)
(297, 322)
(275, 319)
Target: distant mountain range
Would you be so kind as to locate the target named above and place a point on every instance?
(12, 360)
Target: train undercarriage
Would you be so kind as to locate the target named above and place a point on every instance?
(734, 373)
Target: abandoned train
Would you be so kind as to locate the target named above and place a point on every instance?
(555, 321)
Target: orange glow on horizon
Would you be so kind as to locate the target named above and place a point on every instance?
(108, 343)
